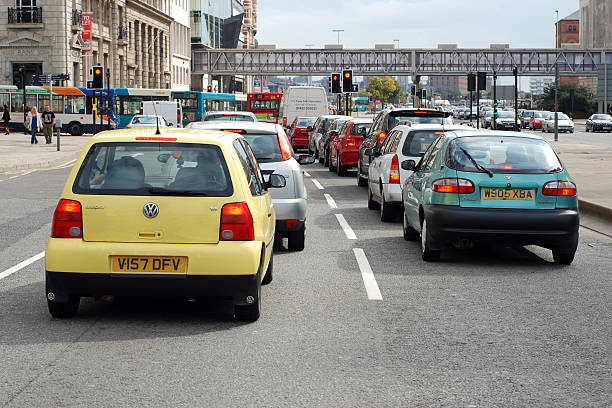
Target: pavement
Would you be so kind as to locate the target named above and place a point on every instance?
(17, 154)
(489, 327)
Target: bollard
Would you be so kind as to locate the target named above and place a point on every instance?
(58, 128)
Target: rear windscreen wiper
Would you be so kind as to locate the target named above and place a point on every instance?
(478, 166)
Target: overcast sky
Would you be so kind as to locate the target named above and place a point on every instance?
(416, 23)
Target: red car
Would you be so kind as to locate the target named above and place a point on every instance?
(344, 148)
(299, 131)
(536, 119)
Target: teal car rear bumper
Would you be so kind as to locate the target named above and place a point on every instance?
(556, 228)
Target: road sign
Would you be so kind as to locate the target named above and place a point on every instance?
(89, 84)
(355, 88)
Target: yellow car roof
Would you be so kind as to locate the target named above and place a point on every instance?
(148, 134)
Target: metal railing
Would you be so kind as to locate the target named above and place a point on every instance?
(25, 15)
(122, 33)
(77, 18)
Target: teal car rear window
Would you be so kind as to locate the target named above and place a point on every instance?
(503, 155)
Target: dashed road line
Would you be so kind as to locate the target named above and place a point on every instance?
(317, 184)
(307, 174)
(330, 201)
(369, 281)
(348, 231)
(21, 265)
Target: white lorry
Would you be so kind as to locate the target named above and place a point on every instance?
(303, 101)
(170, 110)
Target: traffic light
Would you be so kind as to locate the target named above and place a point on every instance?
(98, 77)
(336, 84)
(495, 108)
(482, 81)
(423, 94)
(471, 82)
(329, 84)
(347, 80)
(413, 90)
(209, 88)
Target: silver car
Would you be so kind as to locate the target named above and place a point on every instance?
(274, 155)
(147, 121)
(319, 131)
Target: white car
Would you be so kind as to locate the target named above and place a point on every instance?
(274, 155)
(565, 124)
(230, 116)
(386, 176)
(147, 121)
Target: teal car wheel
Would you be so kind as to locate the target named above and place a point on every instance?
(428, 254)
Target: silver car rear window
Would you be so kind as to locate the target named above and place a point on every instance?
(418, 141)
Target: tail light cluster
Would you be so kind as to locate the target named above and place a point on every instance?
(285, 147)
(394, 176)
(453, 185)
(236, 223)
(564, 188)
(67, 220)
(381, 138)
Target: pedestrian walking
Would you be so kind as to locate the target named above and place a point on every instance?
(6, 118)
(48, 123)
(34, 124)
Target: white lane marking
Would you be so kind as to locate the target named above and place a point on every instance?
(369, 281)
(317, 184)
(330, 201)
(348, 231)
(21, 265)
(307, 174)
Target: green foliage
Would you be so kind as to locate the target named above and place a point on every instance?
(585, 102)
(385, 89)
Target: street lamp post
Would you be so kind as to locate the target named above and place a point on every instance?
(338, 32)
(557, 30)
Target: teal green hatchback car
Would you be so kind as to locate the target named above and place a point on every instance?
(494, 187)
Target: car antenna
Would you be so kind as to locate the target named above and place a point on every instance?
(157, 132)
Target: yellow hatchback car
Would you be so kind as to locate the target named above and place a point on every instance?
(182, 213)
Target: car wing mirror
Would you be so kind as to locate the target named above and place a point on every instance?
(309, 128)
(275, 181)
(163, 158)
(408, 165)
(305, 159)
(369, 151)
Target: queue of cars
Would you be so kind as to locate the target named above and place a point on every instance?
(159, 211)
(458, 186)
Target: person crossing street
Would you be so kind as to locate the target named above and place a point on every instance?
(48, 123)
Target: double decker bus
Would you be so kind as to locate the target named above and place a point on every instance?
(265, 105)
(197, 104)
(73, 107)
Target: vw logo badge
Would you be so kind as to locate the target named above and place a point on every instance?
(150, 210)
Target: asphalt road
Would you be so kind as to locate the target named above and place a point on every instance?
(482, 328)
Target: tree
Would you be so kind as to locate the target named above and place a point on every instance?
(585, 103)
(385, 89)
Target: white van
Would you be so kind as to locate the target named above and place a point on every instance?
(170, 110)
(303, 101)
